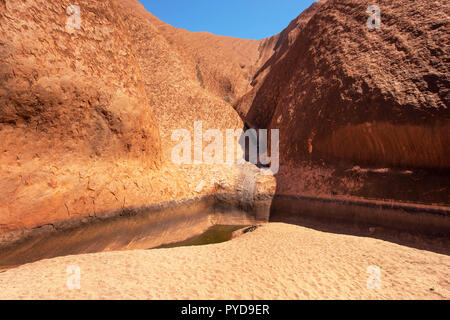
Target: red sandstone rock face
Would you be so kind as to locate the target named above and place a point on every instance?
(221, 65)
(342, 92)
(74, 93)
(272, 50)
(188, 76)
(72, 101)
(86, 115)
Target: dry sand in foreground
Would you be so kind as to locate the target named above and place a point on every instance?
(277, 261)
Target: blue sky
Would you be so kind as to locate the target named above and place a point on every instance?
(249, 19)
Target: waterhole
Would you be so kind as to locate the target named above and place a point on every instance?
(215, 234)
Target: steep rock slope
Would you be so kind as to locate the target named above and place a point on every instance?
(343, 93)
(223, 66)
(86, 114)
(271, 50)
(71, 98)
(177, 88)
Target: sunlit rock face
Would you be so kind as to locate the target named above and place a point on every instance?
(342, 92)
(89, 103)
(89, 97)
(190, 76)
(72, 100)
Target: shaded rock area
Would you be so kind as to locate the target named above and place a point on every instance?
(361, 112)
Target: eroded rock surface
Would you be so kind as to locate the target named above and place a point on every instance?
(87, 113)
(341, 92)
(72, 99)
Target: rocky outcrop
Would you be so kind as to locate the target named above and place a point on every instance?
(73, 92)
(72, 100)
(271, 51)
(343, 93)
(86, 113)
(185, 75)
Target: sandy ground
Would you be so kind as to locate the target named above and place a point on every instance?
(277, 261)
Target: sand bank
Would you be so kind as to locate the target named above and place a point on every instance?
(276, 261)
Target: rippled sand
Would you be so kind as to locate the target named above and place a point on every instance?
(277, 261)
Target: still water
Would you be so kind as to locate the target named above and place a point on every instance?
(215, 234)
